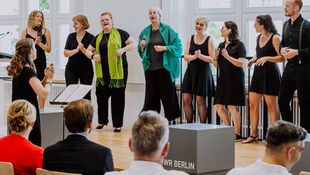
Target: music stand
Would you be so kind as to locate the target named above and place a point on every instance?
(72, 93)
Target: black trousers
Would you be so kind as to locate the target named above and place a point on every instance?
(159, 87)
(85, 77)
(295, 77)
(117, 95)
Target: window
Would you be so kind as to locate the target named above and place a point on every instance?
(9, 34)
(265, 3)
(57, 14)
(42, 5)
(64, 7)
(11, 8)
(214, 31)
(214, 4)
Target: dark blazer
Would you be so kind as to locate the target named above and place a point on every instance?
(76, 154)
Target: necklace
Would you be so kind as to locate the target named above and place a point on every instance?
(105, 37)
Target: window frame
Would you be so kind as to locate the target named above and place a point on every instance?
(54, 18)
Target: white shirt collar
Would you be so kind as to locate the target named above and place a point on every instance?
(271, 168)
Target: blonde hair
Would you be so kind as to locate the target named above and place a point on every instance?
(203, 20)
(109, 14)
(21, 57)
(83, 20)
(150, 133)
(21, 115)
(31, 18)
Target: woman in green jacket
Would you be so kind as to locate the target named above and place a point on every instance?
(160, 49)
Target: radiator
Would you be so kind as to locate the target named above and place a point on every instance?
(55, 90)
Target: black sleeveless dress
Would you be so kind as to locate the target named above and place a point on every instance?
(40, 61)
(198, 77)
(266, 78)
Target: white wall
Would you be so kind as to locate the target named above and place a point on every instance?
(131, 16)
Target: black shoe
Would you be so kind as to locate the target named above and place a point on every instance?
(117, 129)
(238, 137)
(100, 126)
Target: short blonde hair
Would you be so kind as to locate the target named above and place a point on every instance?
(109, 14)
(83, 20)
(21, 115)
(203, 20)
(150, 133)
(31, 18)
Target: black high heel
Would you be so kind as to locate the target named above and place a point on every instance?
(250, 139)
(117, 129)
(238, 137)
(100, 126)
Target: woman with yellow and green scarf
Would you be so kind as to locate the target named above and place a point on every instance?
(108, 49)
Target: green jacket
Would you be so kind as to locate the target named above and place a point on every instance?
(171, 57)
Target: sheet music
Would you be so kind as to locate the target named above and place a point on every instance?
(73, 92)
(79, 93)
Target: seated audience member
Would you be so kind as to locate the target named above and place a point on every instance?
(76, 154)
(16, 148)
(284, 144)
(149, 144)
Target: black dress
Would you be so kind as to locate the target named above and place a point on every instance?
(79, 67)
(230, 88)
(198, 77)
(40, 61)
(266, 78)
(21, 89)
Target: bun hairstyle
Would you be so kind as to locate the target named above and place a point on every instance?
(21, 115)
(21, 57)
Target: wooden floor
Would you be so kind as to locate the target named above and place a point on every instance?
(245, 154)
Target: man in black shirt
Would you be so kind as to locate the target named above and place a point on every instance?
(295, 48)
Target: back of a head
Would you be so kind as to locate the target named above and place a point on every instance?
(21, 57)
(150, 133)
(282, 133)
(78, 115)
(21, 115)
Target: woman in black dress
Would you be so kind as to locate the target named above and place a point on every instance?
(108, 49)
(266, 77)
(41, 36)
(79, 67)
(229, 57)
(198, 79)
(26, 85)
